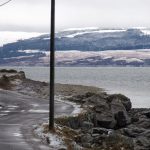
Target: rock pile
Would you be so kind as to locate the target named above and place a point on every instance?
(109, 111)
(109, 123)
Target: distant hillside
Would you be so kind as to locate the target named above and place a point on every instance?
(87, 40)
(32, 51)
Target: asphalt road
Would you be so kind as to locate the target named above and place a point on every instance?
(18, 116)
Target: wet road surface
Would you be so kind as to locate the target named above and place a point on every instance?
(18, 114)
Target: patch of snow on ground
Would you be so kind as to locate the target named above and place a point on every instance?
(128, 60)
(109, 31)
(74, 55)
(76, 34)
(139, 55)
(54, 140)
(79, 29)
(146, 31)
(19, 57)
(90, 31)
(134, 60)
(46, 38)
(29, 51)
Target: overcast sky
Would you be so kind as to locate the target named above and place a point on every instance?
(34, 16)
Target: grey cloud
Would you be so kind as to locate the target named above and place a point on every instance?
(24, 28)
(34, 15)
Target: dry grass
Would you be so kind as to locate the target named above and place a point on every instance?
(65, 133)
(70, 90)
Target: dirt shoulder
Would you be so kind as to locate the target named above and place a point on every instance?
(70, 90)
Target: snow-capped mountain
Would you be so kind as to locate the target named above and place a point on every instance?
(82, 47)
(74, 32)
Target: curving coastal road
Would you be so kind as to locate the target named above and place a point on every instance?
(17, 117)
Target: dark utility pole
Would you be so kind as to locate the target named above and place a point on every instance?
(52, 66)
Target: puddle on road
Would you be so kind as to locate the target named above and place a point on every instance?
(12, 106)
(4, 111)
(38, 111)
(35, 105)
(17, 134)
(1, 115)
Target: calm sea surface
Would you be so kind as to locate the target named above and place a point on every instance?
(131, 81)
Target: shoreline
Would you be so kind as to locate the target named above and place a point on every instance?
(130, 82)
(41, 88)
(106, 117)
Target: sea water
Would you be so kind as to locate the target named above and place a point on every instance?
(133, 82)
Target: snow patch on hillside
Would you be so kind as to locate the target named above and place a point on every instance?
(29, 51)
(82, 32)
(79, 29)
(127, 55)
(73, 55)
(128, 60)
(146, 32)
(19, 57)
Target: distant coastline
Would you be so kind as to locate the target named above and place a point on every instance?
(85, 47)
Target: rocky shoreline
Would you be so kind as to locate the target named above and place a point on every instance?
(108, 123)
